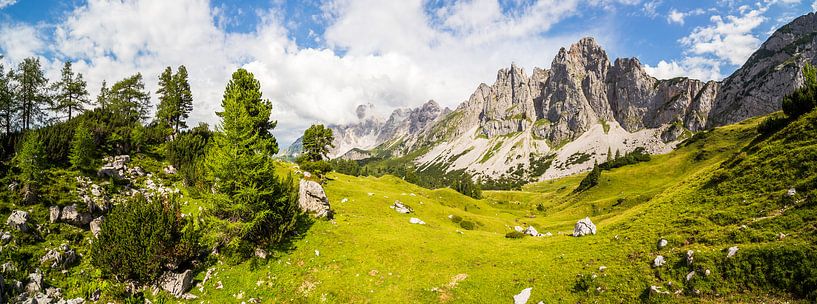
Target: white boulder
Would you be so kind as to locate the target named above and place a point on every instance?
(584, 227)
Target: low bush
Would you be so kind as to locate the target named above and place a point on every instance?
(514, 235)
(456, 218)
(468, 225)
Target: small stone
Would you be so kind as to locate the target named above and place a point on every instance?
(689, 256)
(659, 261)
(415, 220)
(260, 253)
(96, 226)
(18, 220)
(602, 268)
(344, 200)
(401, 208)
(522, 297)
(518, 229)
(732, 251)
(317, 253)
(176, 283)
(690, 275)
(53, 214)
(662, 243)
(791, 192)
(707, 272)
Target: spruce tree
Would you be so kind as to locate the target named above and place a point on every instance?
(175, 99)
(82, 149)
(185, 98)
(317, 140)
(128, 96)
(71, 93)
(609, 154)
(104, 98)
(31, 92)
(8, 104)
(260, 206)
(30, 161)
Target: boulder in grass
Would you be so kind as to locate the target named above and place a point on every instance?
(522, 297)
(176, 283)
(313, 199)
(584, 227)
(18, 219)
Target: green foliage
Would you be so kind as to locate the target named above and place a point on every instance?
(257, 205)
(8, 104)
(31, 92)
(636, 156)
(346, 166)
(317, 140)
(71, 93)
(30, 162)
(456, 219)
(515, 235)
(186, 152)
(139, 238)
(175, 99)
(129, 98)
(591, 180)
(468, 225)
(82, 149)
(804, 99)
(772, 124)
(788, 268)
(466, 185)
(319, 168)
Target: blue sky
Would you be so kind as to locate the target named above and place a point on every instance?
(317, 60)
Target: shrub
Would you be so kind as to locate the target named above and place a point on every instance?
(468, 225)
(319, 168)
(772, 124)
(591, 180)
(140, 238)
(515, 235)
(456, 218)
(802, 100)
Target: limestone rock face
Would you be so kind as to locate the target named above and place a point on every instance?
(176, 283)
(313, 199)
(18, 220)
(584, 227)
(771, 72)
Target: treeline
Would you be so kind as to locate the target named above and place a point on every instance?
(592, 179)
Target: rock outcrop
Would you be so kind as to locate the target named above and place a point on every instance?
(176, 283)
(312, 199)
(584, 227)
(18, 220)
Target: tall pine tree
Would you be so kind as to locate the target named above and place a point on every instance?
(175, 99)
(260, 206)
(317, 141)
(8, 104)
(30, 161)
(128, 96)
(31, 92)
(71, 92)
(103, 100)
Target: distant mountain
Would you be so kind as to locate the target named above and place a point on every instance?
(558, 121)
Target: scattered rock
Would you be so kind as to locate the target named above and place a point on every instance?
(307, 174)
(707, 272)
(731, 251)
(18, 220)
(5, 238)
(53, 214)
(219, 285)
(261, 253)
(96, 226)
(602, 268)
(170, 170)
(659, 261)
(35, 282)
(136, 171)
(401, 208)
(584, 227)
(522, 297)
(70, 214)
(61, 257)
(791, 192)
(176, 283)
(689, 257)
(662, 243)
(781, 236)
(317, 253)
(690, 275)
(655, 290)
(344, 200)
(548, 234)
(415, 220)
(518, 229)
(313, 199)
(532, 231)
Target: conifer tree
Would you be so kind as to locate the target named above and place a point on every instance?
(128, 96)
(609, 154)
(260, 206)
(8, 104)
(175, 99)
(31, 92)
(71, 93)
(317, 140)
(82, 149)
(30, 161)
(103, 99)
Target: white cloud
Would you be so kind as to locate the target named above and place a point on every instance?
(6, 3)
(693, 67)
(730, 39)
(678, 17)
(814, 6)
(388, 53)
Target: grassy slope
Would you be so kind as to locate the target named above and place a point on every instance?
(372, 254)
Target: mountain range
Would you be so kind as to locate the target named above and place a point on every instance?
(583, 108)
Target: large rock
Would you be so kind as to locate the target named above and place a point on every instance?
(522, 297)
(35, 282)
(176, 283)
(532, 231)
(584, 227)
(18, 219)
(401, 208)
(313, 199)
(96, 226)
(72, 215)
(61, 257)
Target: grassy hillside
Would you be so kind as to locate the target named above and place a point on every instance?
(722, 188)
(370, 253)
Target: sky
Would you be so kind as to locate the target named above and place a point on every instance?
(318, 59)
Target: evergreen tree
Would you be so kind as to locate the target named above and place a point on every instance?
(260, 206)
(618, 153)
(803, 99)
(609, 154)
(71, 93)
(317, 140)
(30, 161)
(8, 104)
(175, 99)
(82, 149)
(591, 180)
(128, 96)
(103, 100)
(31, 92)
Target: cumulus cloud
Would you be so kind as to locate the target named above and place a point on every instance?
(5, 3)
(730, 39)
(676, 16)
(693, 67)
(388, 53)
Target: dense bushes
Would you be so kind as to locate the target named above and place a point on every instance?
(140, 238)
(804, 99)
(636, 156)
(591, 180)
(319, 168)
(789, 268)
(466, 186)
(186, 152)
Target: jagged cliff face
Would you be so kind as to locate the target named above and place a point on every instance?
(586, 105)
(772, 71)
